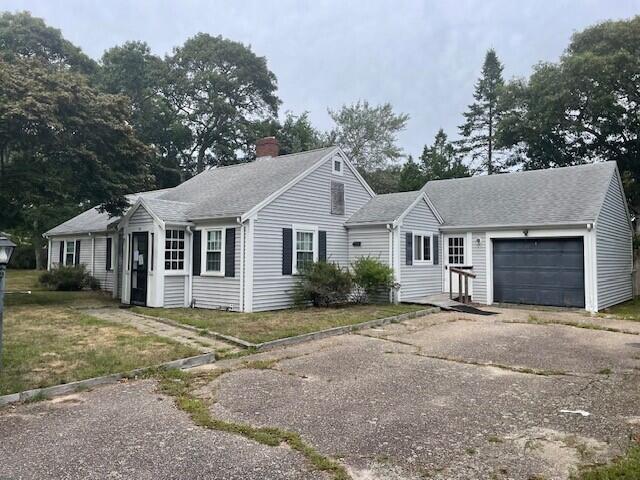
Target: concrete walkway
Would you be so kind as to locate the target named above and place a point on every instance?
(147, 325)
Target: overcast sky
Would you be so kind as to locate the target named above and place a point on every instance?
(422, 56)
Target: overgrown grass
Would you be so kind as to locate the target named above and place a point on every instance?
(265, 326)
(54, 344)
(626, 467)
(22, 280)
(180, 385)
(629, 310)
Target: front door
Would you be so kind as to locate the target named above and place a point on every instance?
(139, 263)
(456, 252)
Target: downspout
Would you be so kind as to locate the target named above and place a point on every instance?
(392, 292)
(190, 272)
(242, 254)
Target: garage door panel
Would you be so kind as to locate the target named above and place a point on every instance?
(539, 271)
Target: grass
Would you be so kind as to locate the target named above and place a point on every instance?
(47, 342)
(568, 323)
(626, 467)
(628, 310)
(180, 385)
(265, 326)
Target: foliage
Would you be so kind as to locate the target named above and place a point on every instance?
(132, 70)
(295, 134)
(411, 176)
(219, 89)
(440, 160)
(584, 108)
(626, 467)
(323, 284)
(23, 258)
(68, 278)
(383, 180)
(368, 134)
(482, 117)
(372, 276)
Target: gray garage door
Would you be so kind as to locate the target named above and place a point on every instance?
(539, 271)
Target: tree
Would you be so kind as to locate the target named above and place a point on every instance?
(219, 88)
(383, 180)
(132, 70)
(295, 134)
(584, 108)
(24, 36)
(439, 161)
(482, 117)
(368, 134)
(411, 176)
(64, 146)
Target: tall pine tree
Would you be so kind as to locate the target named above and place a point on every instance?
(481, 119)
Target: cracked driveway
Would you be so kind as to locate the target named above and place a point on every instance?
(447, 396)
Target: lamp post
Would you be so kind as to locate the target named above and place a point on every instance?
(6, 249)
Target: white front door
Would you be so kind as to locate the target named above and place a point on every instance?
(456, 251)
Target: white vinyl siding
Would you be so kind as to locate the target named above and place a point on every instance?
(614, 249)
(479, 255)
(141, 218)
(421, 278)
(106, 278)
(174, 291)
(308, 202)
(374, 243)
(218, 291)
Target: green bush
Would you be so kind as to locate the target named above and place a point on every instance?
(372, 277)
(323, 284)
(69, 278)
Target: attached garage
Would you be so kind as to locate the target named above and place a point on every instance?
(539, 271)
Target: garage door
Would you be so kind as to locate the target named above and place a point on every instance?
(539, 271)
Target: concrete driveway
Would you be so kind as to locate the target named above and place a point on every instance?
(448, 396)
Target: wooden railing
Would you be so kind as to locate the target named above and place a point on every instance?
(463, 294)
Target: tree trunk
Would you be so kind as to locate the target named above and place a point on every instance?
(200, 162)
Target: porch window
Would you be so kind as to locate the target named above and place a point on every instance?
(456, 250)
(214, 251)
(304, 249)
(174, 250)
(422, 247)
(70, 252)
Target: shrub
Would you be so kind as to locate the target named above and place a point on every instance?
(69, 278)
(372, 277)
(323, 284)
(23, 257)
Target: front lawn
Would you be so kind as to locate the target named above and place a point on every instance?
(265, 326)
(628, 310)
(47, 341)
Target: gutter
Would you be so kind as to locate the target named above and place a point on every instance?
(515, 226)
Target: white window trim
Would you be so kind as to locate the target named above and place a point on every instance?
(294, 257)
(203, 252)
(335, 159)
(168, 271)
(64, 258)
(422, 235)
(466, 249)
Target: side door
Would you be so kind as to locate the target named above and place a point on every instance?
(456, 252)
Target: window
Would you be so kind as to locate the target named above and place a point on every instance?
(337, 198)
(422, 247)
(70, 252)
(174, 250)
(337, 165)
(455, 250)
(304, 248)
(213, 253)
(109, 265)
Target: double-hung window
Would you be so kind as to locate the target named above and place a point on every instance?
(422, 247)
(174, 250)
(214, 251)
(69, 252)
(306, 250)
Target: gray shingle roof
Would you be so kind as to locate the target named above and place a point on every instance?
(553, 196)
(216, 193)
(384, 208)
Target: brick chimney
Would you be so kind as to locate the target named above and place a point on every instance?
(267, 147)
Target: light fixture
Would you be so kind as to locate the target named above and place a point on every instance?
(6, 250)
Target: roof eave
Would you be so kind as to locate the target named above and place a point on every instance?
(515, 226)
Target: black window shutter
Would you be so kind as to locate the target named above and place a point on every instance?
(108, 259)
(77, 259)
(196, 253)
(230, 253)
(322, 246)
(436, 249)
(61, 252)
(287, 250)
(409, 248)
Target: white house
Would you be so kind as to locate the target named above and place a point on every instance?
(233, 237)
